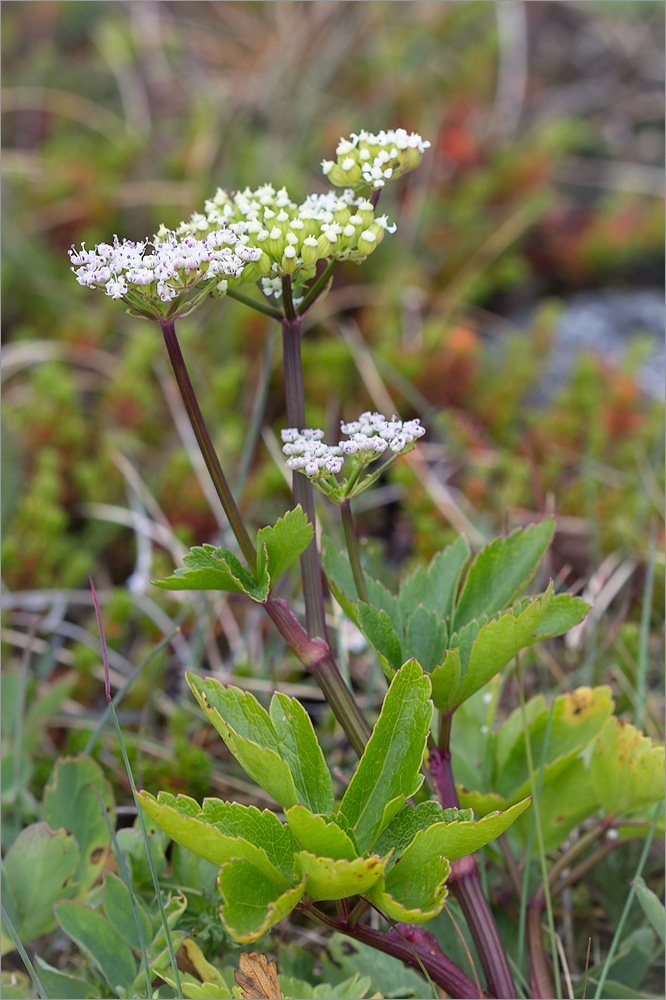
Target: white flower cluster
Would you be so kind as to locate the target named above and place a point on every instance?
(374, 159)
(160, 269)
(372, 434)
(307, 453)
(291, 238)
(368, 437)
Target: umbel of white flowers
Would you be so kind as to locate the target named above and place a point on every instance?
(367, 438)
(375, 159)
(161, 270)
(255, 235)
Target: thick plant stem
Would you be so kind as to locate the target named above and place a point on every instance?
(205, 444)
(466, 882)
(303, 491)
(411, 945)
(316, 657)
(352, 550)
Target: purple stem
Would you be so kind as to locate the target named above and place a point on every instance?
(465, 881)
(411, 945)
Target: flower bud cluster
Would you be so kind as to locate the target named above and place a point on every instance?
(368, 438)
(291, 238)
(163, 269)
(374, 159)
(308, 454)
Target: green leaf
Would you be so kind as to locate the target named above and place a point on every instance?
(562, 614)
(263, 828)
(446, 681)
(415, 888)
(61, 986)
(70, 802)
(340, 578)
(354, 988)
(38, 870)
(285, 541)
(299, 747)
(252, 901)
(627, 771)
(280, 751)
(329, 879)
(652, 906)
(456, 840)
(389, 767)
(204, 837)
(193, 989)
(117, 904)
(99, 942)
(131, 843)
(501, 571)
(426, 638)
(210, 568)
(564, 802)
(402, 830)
(435, 587)
(577, 718)
(320, 834)
(248, 732)
(378, 629)
(497, 643)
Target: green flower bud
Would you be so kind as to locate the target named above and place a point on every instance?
(288, 263)
(367, 241)
(310, 250)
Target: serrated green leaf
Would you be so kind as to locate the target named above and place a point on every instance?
(563, 613)
(248, 732)
(38, 870)
(329, 879)
(401, 831)
(193, 989)
(501, 571)
(564, 802)
(262, 827)
(320, 835)
(117, 905)
(426, 638)
(392, 759)
(299, 747)
(446, 681)
(252, 901)
(285, 541)
(577, 718)
(211, 568)
(414, 889)
(480, 803)
(99, 942)
(202, 834)
(627, 771)
(456, 840)
(497, 644)
(378, 629)
(435, 587)
(652, 906)
(70, 802)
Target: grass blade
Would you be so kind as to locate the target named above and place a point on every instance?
(24, 955)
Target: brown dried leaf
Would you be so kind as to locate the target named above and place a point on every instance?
(257, 977)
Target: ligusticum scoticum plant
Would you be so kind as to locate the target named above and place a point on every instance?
(441, 639)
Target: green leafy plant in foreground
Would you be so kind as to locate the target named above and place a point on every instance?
(442, 641)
